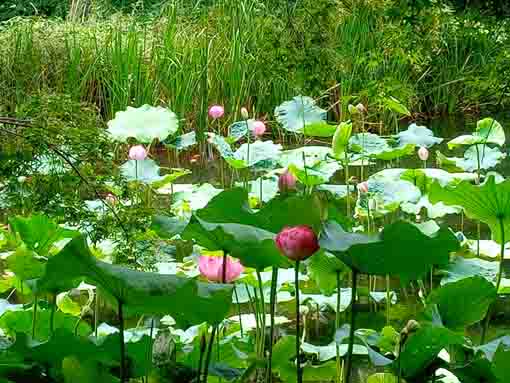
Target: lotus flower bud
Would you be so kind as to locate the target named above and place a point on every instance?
(423, 153)
(137, 153)
(259, 128)
(212, 268)
(286, 182)
(244, 113)
(361, 108)
(372, 204)
(216, 111)
(297, 243)
(210, 137)
(352, 109)
(111, 199)
(363, 187)
(22, 179)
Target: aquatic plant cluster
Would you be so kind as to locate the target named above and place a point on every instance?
(318, 263)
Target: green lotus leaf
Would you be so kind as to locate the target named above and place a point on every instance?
(396, 106)
(423, 347)
(259, 151)
(320, 129)
(299, 112)
(461, 268)
(313, 156)
(316, 175)
(147, 171)
(436, 210)
(341, 139)
(193, 196)
(488, 131)
(145, 124)
(187, 300)
(184, 141)
(373, 146)
(489, 158)
(323, 268)
(402, 249)
(464, 302)
(419, 136)
(489, 203)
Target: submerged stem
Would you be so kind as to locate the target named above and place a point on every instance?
(299, 371)
(337, 326)
(122, 345)
(348, 367)
(272, 303)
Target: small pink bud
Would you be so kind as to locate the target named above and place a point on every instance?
(423, 153)
(137, 153)
(111, 199)
(210, 137)
(286, 182)
(361, 108)
(297, 243)
(244, 113)
(259, 128)
(212, 268)
(363, 187)
(216, 111)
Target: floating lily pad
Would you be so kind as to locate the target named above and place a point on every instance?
(373, 146)
(145, 124)
(295, 114)
(184, 141)
(436, 210)
(147, 171)
(462, 268)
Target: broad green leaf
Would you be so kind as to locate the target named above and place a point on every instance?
(238, 130)
(341, 139)
(148, 172)
(76, 371)
(330, 301)
(184, 141)
(402, 249)
(373, 146)
(464, 302)
(396, 106)
(489, 158)
(328, 352)
(194, 196)
(317, 175)
(295, 114)
(501, 362)
(187, 300)
(38, 232)
(488, 131)
(436, 210)
(382, 377)
(489, 203)
(25, 264)
(319, 129)
(423, 347)
(168, 227)
(66, 304)
(419, 136)
(323, 268)
(258, 152)
(313, 155)
(461, 268)
(145, 124)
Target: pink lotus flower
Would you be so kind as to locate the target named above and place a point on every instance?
(259, 128)
(423, 153)
(216, 111)
(286, 182)
(212, 268)
(137, 153)
(297, 243)
(363, 187)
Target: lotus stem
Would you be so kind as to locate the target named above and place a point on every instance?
(498, 280)
(272, 303)
(149, 351)
(263, 314)
(239, 311)
(348, 368)
(388, 299)
(337, 326)
(121, 343)
(52, 313)
(34, 316)
(299, 371)
(346, 172)
(209, 352)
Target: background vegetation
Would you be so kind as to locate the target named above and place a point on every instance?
(436, 57)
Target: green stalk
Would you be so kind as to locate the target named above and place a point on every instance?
(348, 367)
(299, 371)
(478, 226)
(263, 312)
(34, 316)
(52, 313)
(122, 345)
(498, 281)
(149, 351)
(388, 299)
(239, 311)
(346, 172)
(337, 326)
(272, 303)
(209, 353)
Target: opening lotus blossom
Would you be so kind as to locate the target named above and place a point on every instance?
(423, 153)
(212, 268)
(363, 187)
(297, 243)
(137, 153)
(244, 113)
(216, 111)
(286, 182)
(259, 128)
